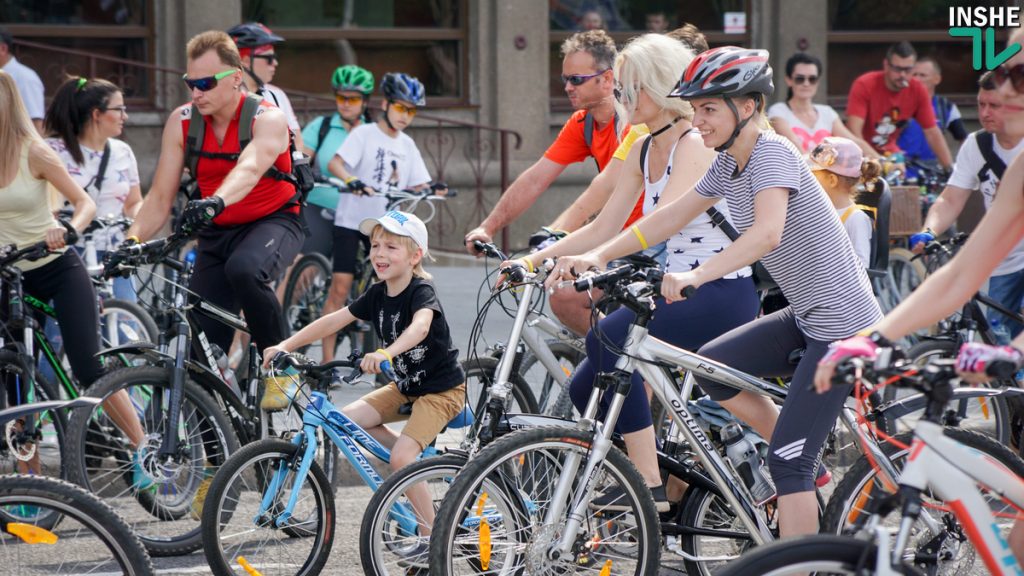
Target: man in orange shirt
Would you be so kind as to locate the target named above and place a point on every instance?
(590, 132)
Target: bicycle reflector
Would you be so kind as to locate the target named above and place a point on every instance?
(606, 570)
(484, 533)
(248, 567)
(30, 534)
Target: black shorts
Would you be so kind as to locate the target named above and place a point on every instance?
(346, 249)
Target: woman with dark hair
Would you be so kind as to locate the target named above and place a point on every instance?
(83, 122)
(805, 123)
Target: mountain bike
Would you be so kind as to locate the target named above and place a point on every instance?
(532, 489)
(969, 486)
(185, 387)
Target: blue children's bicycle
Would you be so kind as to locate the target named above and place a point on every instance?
(270, 508)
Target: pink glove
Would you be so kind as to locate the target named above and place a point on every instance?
(975, 357)
(855, 347)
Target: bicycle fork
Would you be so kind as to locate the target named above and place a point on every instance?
(599, 449)
(307, 436)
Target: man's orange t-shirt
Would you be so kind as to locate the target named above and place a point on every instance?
(571, 146)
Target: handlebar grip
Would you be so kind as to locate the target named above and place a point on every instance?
(452, 193)
(688, 292)
(282, 360)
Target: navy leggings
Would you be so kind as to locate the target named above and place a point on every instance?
(716, 308)
(763, 348)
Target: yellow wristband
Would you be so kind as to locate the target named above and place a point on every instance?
(136, 238)
(350, 179)
(639, 236)
(529, 264)
(384, 353)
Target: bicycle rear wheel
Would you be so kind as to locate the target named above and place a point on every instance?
(306, 291)
(236, 536)
(160, 499)
(820, 554)
(92, 537)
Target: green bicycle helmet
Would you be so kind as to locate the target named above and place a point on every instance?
(353, 78)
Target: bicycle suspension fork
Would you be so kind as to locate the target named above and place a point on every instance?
(183, 341)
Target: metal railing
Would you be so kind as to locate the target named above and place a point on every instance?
(158, 89)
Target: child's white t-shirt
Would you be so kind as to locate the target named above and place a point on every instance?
(381, 162)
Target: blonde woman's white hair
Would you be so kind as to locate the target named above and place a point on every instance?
(654, 63)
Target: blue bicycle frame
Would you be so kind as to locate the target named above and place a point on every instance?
(347, 436)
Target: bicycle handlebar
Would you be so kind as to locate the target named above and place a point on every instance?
(11, 253)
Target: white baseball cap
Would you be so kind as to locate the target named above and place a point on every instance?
(399, 224)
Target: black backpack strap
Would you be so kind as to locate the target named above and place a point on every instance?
(643, 154)
(588, 129)
(993, 163)
(245, 119)
(719, 220)
(194, 140)
(325, 127)
(101, 173)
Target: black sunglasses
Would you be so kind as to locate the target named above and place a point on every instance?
(208, 83)
(270, 58)
(1014, 73)
(801, 79)
(579, 79)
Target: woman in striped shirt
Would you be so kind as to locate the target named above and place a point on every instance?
(788, 223)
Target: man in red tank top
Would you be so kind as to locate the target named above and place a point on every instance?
(255, 232)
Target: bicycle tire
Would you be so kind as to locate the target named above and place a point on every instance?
(818, 553)
(988, 415)
(66, 499)
(92, 438)
(908, 270)
(854, 495)
(224, 501)
(383, 548)
(553, 399)
(485, 369)
(149, 332)
(517, 514)
(306, 291)
(50, 465)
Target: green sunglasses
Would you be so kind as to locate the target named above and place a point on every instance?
(207, 83)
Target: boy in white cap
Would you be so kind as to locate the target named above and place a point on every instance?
(407, 317)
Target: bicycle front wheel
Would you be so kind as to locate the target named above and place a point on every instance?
(160, 498)
(306, 291)
(92, 538)
(238, 539)
(492, 520)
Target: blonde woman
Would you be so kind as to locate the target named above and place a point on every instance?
(27, 165)
(661, 167)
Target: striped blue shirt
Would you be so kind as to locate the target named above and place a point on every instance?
(815, 264)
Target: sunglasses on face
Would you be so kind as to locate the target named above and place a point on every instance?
(270, 58)
(350, 100)
(900, 69)
(208, 83)
(403, 109)
(122, 109)
(1014, 73)
(580, 79)
(801, 79)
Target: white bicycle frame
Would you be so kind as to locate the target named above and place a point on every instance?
(952, 472)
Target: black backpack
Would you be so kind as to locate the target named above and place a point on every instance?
(301, 176)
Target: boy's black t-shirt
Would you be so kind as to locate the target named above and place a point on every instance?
(432, 365)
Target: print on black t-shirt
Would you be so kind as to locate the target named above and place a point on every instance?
(433, 364)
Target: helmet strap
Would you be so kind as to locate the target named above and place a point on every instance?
(739, 126)
(255, 78)
(387, 119)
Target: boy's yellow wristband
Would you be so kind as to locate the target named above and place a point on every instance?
(639, 236)
(529, 264)
(384, 353)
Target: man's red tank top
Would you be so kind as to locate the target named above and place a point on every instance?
(269, 194)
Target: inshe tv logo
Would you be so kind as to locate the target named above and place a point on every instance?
(979, 23)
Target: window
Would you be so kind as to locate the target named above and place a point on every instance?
(625, 19)
(425, 39)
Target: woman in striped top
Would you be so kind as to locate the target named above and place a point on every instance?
(788, 223)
